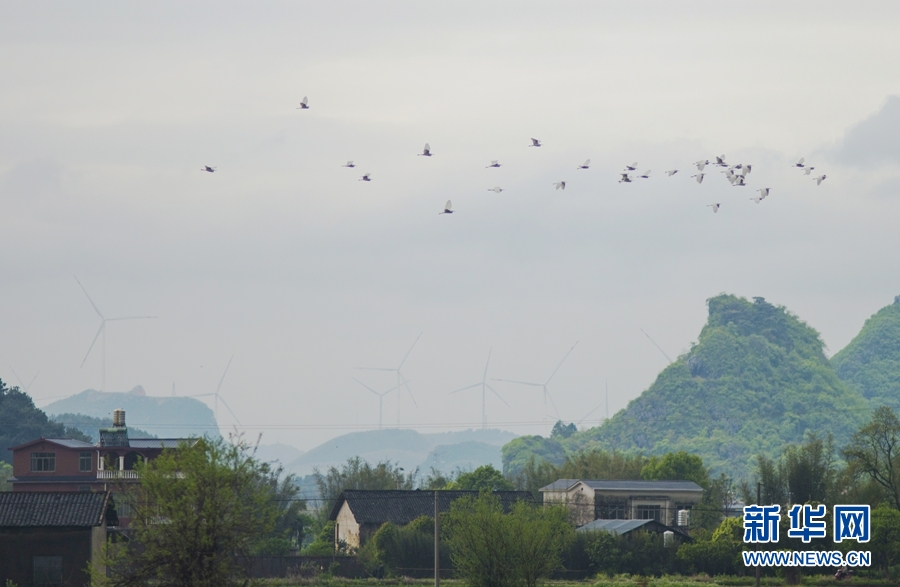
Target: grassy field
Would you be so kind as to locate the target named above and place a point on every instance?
(617, 581)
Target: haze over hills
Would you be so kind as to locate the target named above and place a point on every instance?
(445, 451)
(870, 363)
(756, 380)
(165, 417)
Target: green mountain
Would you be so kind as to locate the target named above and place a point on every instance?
(756, 380)
(21, 422)
(870, 364)
(165, 417)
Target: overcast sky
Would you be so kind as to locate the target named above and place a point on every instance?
(284, 259)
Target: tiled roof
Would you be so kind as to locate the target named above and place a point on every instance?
(620, 485)
(51, 508)
(402, 506)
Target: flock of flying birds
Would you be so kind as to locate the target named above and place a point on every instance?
(735, 174)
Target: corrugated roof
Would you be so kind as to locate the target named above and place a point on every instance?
(66, 442)
(645, 485)
(625, 485)
(52, 508)
(403, 506)
(560, 485)
(619, 527)
(156, 442)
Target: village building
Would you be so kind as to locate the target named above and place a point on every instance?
(52, 537)
(359, 513)
(64, 464)
(589, 500)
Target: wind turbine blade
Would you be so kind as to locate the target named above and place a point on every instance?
(32, 380)
(96, 309)
(21, 385)
(222, 399)
(588, 414)
(366, 386)
(223, 376)
(465, 388)
(484, 377)
(497, 394)
(96, 336)
(656, 345)
(405, 384)
(561, 362)
(133, 318)
(521, 382)
(552, 403)
(410, 350)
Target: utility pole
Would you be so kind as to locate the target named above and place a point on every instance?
(758, 500)
(437, 542)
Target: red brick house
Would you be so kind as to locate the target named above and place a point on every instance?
(64, 464)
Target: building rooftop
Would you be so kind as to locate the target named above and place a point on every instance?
(403, 506)
(21, 509)
(619, 527)
(625, 485)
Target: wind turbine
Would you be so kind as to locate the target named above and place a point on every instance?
(544, 384)
(380, 397)
(218, 397)
(102, 330)
(22, 386)
(484, 387)
(401, 380)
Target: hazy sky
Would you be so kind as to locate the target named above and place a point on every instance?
(284, 259)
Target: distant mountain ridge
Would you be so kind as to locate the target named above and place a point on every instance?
(445, 451)
(756, 380)
(165, 417)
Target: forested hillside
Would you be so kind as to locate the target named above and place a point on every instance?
(870, 364)
(756, 380)
(91, 426)
(21, 421)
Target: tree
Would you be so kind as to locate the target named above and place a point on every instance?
(484, 478)
(493, 549)
(199, 508)
(357, 473)
(6, 471)
(561, 430)
(21, 421)
(676, 466)
(885, 543)
(874, 451)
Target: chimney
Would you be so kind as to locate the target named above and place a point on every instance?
(119, 418)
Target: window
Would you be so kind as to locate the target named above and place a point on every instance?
(84, 488)
(611, 510)
(648, 512)
(47, 570)
(42, 462)
(84, 462)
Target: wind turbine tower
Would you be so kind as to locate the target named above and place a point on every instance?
(484, 387)
(401, 380)
(380, 397)
(102, 330)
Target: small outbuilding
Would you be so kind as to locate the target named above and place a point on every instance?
(625, 527)
(52, 538)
